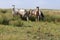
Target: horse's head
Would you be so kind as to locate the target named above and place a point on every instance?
(37, 8)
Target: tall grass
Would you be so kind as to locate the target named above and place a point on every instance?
(14, 28)
(7, 18)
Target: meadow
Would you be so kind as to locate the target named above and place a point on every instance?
(14, 28)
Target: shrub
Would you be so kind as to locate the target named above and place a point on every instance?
(5, 20)
(18, 23)
(1, 19)
(16, 17)
(49, 18)
(3, 11)
(32, 18)
(52, 18)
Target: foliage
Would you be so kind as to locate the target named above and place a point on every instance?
(3, 11)
(1, 19)
(18, 23)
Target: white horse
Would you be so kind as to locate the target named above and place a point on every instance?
(14, 10)
(21, 12)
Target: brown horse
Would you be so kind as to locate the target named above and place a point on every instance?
(37, 13)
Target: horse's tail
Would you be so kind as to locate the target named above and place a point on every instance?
(42, 14)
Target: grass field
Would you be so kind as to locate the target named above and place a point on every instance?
(17, 29)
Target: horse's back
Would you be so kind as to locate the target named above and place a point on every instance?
(22, 11)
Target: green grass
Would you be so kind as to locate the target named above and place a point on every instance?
(13, 28)
(34, 31)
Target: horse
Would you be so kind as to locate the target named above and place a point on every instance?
(21, 12)
(37, 13)
(14, 11)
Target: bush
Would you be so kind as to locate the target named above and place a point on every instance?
(1, 19)
(32, 18)
(49, 18)
(3, 11)
(5, 21)
(6, 18)
(16, 17)
(18, 23)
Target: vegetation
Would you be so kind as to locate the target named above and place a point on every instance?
(14, 28)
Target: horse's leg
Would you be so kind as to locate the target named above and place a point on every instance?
(38, 18)
(27, 18)
(13, 15)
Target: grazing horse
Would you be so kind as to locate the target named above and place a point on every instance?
(37, 13)
(21, 12)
